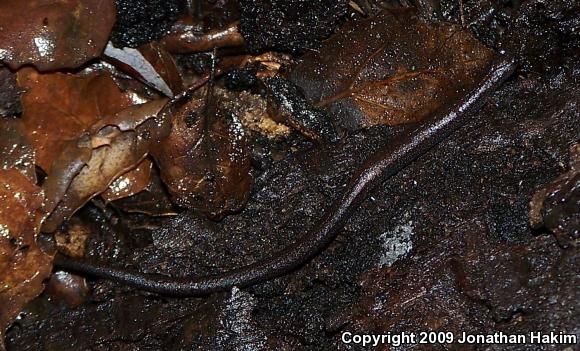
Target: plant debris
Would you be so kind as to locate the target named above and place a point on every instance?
(54, 34)
(58, 107)
(23, 264)
(204, 162)
(115, 150)
(130, 183)
(374, 72)
(195, 146)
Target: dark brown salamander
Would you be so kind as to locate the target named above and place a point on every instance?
(383, 164)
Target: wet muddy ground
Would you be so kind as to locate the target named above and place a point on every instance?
(445, 245)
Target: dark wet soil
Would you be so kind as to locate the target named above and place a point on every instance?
(445, 245)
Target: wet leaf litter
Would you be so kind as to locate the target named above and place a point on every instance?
(229, 197)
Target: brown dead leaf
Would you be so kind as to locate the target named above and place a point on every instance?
(116, 145)
(150, 64)
(130, 183)
(58, 107)
(115, 151)
(23, 265)
(391, 69)
(129, 118)
(76, 154)
(204, 162)
(54, 34)
(187, 37)
(164, 64)
(153, 201)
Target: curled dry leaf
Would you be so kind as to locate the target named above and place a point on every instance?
(164, 64)
(152, 201)
(23, 265)
(51, 34)
(58, 107)
(130, 183)
(127, 119)
(69, 163)
(391, 69)
(204, 162)
(114, 151)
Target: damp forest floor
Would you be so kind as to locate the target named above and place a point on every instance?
(443, 245)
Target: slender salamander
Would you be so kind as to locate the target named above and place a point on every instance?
(383, 164)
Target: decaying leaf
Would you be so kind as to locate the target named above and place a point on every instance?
(54, 34)
(76, 154)
(114, 151)
(188, 37)
(23, 265)
(58, 107)
(152, 201)
(253, 111)
(204, 162)
(127, 119)
(391, 69)
(15, 150)
(130, 183)
(116, 145)
(164, 64)
(150, 64)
